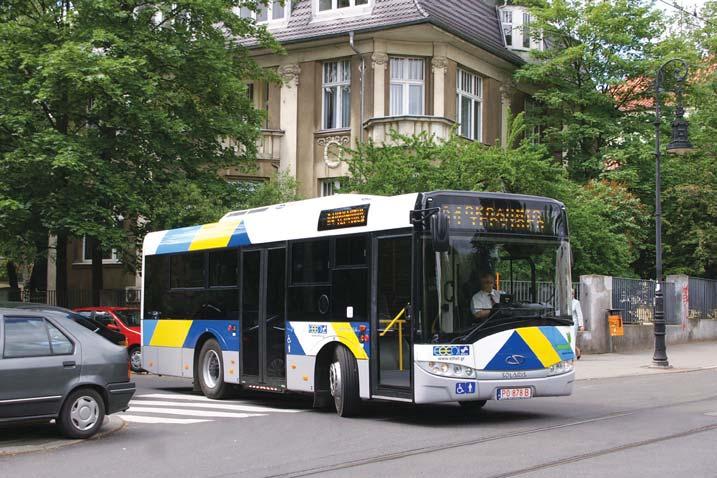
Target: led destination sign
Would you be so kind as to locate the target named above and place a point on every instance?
(508, 216)
(345, 217)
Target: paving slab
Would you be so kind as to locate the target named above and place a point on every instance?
(19, 438)
(682, 358)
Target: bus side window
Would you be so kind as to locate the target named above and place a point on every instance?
(349, 279)
(310, 262)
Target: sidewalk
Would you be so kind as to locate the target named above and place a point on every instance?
(683, 358)
(30, 437)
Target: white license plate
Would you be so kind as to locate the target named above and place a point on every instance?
(521, 393)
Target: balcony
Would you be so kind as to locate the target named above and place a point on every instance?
(268, 146)
(379, 129)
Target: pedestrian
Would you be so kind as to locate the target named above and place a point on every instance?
(578, 323)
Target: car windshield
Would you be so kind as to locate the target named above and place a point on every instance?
(481, 281)
(130, 317)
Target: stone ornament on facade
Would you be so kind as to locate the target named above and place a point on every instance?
(290, 74)
(379, 60)
(333, 149)
(439, 63)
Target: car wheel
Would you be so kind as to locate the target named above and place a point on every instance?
(473, 405)
(135, 359)
(211, 371)
(82, 414)
(344, 383)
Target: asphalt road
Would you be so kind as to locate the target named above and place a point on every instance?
(658, 425)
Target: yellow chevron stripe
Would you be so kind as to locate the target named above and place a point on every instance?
(347, 336)
(540, 345)
(170, 333)
(213, 236)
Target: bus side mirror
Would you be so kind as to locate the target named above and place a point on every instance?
(439, 231)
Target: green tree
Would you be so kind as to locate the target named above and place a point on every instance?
(114, 115)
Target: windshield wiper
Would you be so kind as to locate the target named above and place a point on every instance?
(564, 320)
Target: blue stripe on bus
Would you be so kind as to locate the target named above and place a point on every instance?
(561, 346)
(293, 346)
(239, 237)
(177, 240)
(148, 327)
(228, 339)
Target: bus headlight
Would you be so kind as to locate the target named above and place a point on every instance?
(560, 368)
(448, 369)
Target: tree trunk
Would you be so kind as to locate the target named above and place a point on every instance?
(61, 271)
(12, 275)
(97, 283)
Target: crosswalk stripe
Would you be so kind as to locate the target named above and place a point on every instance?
(191, 413)
(156, 420)
(214, 406)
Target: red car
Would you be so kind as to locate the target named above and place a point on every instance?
(124, 320)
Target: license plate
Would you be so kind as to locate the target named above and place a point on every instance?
(514, 393)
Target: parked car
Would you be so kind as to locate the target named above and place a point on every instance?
(87, 322)
(51, 367)
(124, 320)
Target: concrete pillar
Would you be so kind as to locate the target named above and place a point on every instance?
(595, 300)
(439, 66)
(379, 63)
(52, 263)
(681, 297)
(289, 118)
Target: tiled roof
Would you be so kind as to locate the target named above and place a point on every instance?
(472, 20)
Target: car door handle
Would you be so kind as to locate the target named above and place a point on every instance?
(69, 364)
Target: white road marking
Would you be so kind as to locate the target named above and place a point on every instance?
(167, 420)
(192, 413)
(215, 406)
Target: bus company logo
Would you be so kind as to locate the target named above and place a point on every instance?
(451, 350)
(316, 329)
(515, 359)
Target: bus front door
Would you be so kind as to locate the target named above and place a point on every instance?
(263, 287)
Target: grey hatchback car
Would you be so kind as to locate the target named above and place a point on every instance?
(53, 368)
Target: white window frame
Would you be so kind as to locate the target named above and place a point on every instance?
(329, 187)
(340, 84)
(506, 17)
(405, 83)
(527, 20)
(269, 13)
(113, 259)
(336, 12)
(475, 95)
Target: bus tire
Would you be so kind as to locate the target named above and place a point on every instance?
(472, 406)
(210, 371)
(344, 383)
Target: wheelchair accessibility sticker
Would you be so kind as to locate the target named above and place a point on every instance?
(465, 388)
(451, 350)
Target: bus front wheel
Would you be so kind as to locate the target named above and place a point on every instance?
(211, 371)
(344, 383)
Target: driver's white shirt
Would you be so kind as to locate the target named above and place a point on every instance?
(483, 300)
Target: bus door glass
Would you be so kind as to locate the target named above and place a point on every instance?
(392, 294)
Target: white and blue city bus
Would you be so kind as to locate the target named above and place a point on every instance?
(355, 297)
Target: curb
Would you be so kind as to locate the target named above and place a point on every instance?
(112, 424)
(644, 372)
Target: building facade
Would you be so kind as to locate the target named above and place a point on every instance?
(355, 70)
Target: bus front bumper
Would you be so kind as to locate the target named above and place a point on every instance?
(431, 388)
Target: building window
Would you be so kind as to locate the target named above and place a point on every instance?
(273, 11)
(107, 256)
(526, 30)
(407, 86)
(337, 95)
(329, 5)
(329, 187)
(470, 104)
(507, 20)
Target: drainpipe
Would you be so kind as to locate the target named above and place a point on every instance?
(362, 70)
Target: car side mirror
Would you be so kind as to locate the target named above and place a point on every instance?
(439, 231)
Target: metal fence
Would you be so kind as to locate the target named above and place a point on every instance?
(702, 298)
(83, 297)
(635, 298)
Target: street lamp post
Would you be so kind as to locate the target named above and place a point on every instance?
(679, 144)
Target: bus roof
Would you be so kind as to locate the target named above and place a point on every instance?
(318, 217)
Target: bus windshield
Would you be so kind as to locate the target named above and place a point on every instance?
(484, 283)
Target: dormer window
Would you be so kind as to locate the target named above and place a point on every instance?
(274, 11)
(341, 7)
(507, 18)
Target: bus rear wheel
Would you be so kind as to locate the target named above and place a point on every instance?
(211, 371)
(344, 383)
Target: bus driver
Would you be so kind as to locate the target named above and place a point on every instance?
(484, 300)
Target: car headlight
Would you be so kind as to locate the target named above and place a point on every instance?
(560, 368)
(448, 369)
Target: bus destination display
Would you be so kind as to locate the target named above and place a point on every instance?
(345, 217)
